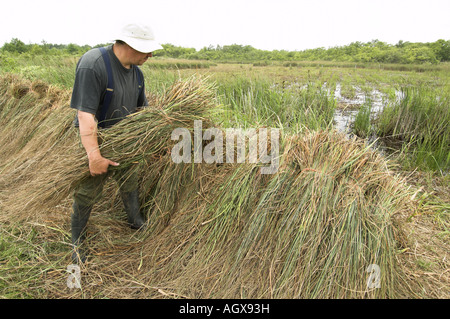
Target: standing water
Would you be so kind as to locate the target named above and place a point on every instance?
(344, 117)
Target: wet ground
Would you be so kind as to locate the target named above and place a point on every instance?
(348, 108)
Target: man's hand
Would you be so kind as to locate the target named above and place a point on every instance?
(98, 165)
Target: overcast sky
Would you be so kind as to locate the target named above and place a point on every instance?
(270, 25)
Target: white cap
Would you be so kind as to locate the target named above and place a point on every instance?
(140, 37)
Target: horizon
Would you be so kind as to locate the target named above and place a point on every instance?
(238, 44)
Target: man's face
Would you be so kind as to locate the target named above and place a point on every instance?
(139, 58)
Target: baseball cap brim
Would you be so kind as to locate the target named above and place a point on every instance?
(141, 45)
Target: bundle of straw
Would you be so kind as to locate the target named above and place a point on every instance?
(309, 231)
(134, 142)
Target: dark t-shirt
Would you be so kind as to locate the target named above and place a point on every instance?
(90, 86)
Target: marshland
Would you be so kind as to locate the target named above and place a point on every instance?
(363, 180)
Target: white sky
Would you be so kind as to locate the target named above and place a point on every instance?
(270, 25)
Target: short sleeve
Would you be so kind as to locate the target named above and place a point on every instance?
(87, 91)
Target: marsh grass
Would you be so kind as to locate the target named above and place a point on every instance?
(176, 64)
(261, 102)
(362, 125)
(420, 120)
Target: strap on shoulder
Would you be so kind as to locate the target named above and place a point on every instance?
(140, 77)
(109, 88)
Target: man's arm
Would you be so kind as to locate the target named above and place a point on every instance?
(88, 131)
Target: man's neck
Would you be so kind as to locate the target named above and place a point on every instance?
(121, 54)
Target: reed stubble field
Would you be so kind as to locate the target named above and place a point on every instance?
(377, 193)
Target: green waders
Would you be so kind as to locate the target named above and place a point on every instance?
(89, 192)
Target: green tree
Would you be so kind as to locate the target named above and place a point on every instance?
(72, 48)
(15, 46)
(441, 49)
(420, 54)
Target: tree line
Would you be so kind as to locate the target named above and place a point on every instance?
(374, 51)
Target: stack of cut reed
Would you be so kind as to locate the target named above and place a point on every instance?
(140, 138)
(310, 231)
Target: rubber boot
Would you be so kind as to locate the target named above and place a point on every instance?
(80, 217)
(132, 208)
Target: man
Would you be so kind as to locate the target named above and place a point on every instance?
(117, 63)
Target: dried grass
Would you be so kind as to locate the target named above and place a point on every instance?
(217, 230)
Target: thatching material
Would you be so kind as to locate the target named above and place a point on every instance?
(139, 139)
(222, 231)
(309, 231)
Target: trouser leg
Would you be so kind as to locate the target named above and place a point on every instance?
(80, 217)
(129, 191)
(132, 208)
(84, 198)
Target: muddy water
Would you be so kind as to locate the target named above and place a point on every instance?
(344, 117)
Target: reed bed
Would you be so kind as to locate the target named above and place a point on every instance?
(173, 64)
(419, 119)
(261, 102)
(310, 230)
